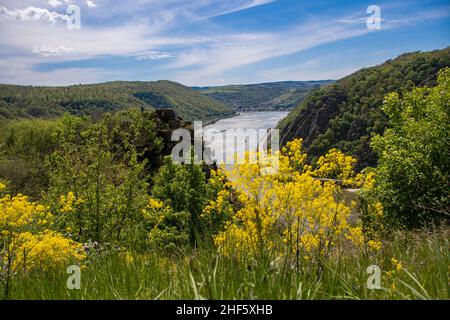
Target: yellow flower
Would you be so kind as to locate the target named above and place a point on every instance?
(67, 202)
(129, 259)
(375, 245)
(155, 204)
(379, 209)
(398, 266)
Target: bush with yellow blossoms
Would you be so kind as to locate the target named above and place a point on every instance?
(46, 251)
(26, 241)
(292, 214)
(336, 165)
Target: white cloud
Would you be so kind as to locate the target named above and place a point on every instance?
(55, 3)
(224, 56)
(90, 4)
(49, 51)
(353, 20)
(152, 55)
(88, 42)
(239, 6)
(32, 14)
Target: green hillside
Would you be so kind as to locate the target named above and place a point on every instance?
(264, 96)
(47, 102)
(345, 114)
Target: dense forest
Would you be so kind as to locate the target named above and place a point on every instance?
(95, 99)
(274, 96)
(346, 114)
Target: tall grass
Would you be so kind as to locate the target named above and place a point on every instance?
(205, 275)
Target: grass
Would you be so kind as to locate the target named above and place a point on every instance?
(204, 275)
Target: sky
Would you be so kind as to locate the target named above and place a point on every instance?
(209, 42)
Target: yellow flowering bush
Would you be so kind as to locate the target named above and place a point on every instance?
(336, 165)
(291, 213)
(27, 243)
(45, 251)
(17, 213)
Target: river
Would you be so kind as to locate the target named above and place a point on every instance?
(245, 120)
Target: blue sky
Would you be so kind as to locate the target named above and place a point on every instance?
(209, 42)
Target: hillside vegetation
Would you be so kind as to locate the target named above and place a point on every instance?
(95, 99)
(346, 114)
(88, 193)
(275, 96)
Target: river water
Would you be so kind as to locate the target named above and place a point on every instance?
(260, 121)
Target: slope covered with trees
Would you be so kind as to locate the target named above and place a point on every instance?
(346, 114)
(272, 96)
(95, 99)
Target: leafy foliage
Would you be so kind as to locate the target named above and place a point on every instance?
(186, 191)
(24, 146)
(413, 174)
(103, 165)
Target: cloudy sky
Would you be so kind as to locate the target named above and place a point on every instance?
(209, 42)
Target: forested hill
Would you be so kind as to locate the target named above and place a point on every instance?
(345, 114)
(264, 96)
(47, 102)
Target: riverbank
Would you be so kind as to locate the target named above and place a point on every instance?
(209, 122)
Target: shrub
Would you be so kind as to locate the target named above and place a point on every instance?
(413, 172)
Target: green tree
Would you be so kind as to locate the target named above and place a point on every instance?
(414, 169)
(185, 189)
(103, 165)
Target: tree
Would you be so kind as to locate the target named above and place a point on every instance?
(184, 188)
(413, 174)
(101, 168)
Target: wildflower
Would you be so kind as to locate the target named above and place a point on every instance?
(129, 259)
(379, 209)
(67, 202)
(398, 266)
(155, 204)
(375, 245)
